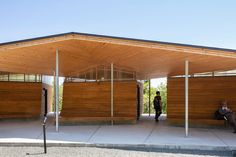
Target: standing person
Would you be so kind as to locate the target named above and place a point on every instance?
(157, 105)
(228, 113)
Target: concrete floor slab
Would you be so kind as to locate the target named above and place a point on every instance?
(121, 134)
(226, 136)
(175, 135)
(80, 134)
(145, 133)
(18, 131)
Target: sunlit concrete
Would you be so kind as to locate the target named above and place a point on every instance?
(146, 132)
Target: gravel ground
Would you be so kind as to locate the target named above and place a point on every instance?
(102, 152)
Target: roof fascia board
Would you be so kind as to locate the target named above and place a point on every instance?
(122, 41)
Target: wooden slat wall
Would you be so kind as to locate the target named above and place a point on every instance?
(125, 99)
(205, 95)
(20, 100)
(92, 101)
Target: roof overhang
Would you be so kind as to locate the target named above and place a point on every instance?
(79, 51)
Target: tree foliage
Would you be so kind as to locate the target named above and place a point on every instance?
(163, 90)
(60, 98)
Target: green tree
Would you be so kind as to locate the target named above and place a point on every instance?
(146, 98)
(60, 98)
(163, 90)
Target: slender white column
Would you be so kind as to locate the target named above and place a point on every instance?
(57, 90)
(186, 97)
(149, 97)
(54, 93)
(112, 101)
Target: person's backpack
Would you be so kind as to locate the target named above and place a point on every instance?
(156, 103)
(219, 116)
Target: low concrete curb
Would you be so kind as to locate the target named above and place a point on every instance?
(126, 146)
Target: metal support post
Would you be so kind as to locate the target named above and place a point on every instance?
(149, 97)
(186, 97)
(57, 90)
(112, 94)
(45, 118)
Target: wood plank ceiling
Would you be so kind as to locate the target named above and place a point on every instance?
(80, 51)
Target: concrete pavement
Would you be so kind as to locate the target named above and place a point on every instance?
(146, 133)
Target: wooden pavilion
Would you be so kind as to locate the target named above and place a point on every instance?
(71, 54)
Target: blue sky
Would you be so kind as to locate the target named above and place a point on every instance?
(199, 22)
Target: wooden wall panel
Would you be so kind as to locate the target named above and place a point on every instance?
(20, 100)
(125, 95)
(205, 95)
(92, 101)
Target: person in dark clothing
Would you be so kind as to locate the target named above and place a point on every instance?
(229, 114)
(157, 105)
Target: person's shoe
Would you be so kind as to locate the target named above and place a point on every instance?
(234, 131)
(157, 120)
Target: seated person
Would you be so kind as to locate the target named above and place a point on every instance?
(229, 114)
